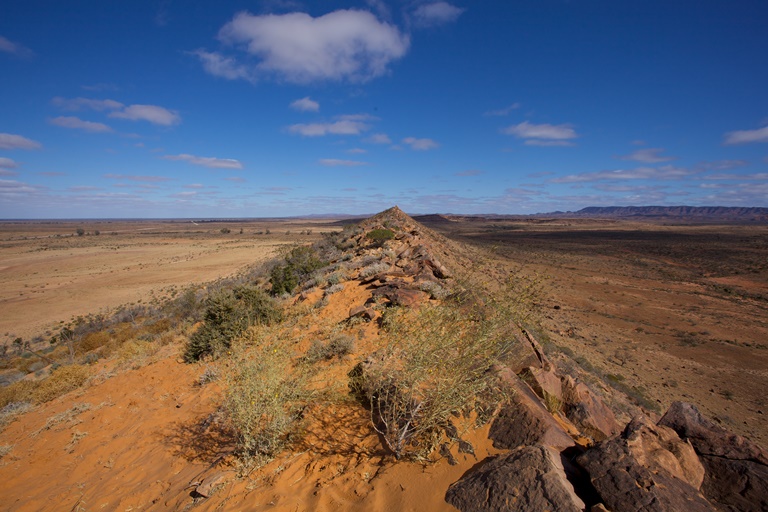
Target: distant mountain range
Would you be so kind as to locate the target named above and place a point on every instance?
(726, 213)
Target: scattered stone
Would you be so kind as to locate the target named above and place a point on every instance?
(736, 473)
(646, 468)
(363, 312)
(528, 478)
(210, 484)
(525, 420)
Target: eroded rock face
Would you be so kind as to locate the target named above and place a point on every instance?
(524, 420)
(736, 469)
(646, 468)
(587, 411)
(528, 478)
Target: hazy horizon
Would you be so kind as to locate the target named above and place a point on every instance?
(275, 108)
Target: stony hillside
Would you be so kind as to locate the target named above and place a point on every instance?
(394, 370)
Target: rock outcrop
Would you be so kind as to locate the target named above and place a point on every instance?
(736, 469)
(646, 468)
(527, 478)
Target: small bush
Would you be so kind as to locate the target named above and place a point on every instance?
(338, 346)
(62, 380)
(228, 314)
(435, 290)
(380, 236)
(264, 401)
(373, 269)
(299, 265)
(334, 289)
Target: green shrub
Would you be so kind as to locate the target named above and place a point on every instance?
(380, 236)
(338, 346)
(228, 313)
(299, 265)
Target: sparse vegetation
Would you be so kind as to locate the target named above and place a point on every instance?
(380, 236)
(299, 265)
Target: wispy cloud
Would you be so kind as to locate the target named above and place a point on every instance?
(334, 162)
(503, 111)
(648, 156)
(86, 103)
(379, 138)
(436, 13)
(344, 126)
(217, 64)
(420, 144)
(542, 134)
(470, 172)
(205, 161)
(134, 177)
(150, 113)
(305, 104)
(7, 163)
(12, 141)
(746, 136)
(16, 49)
(344, 45)
(357, 151)
(78, 124)
(666, 172)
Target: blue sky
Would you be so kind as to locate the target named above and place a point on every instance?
(192, 108)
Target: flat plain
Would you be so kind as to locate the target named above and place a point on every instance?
(664, 311)
(49, 274)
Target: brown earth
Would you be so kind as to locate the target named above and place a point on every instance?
(49, 275)
(664, 312)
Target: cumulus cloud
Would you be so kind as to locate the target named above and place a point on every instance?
(17, 49)
(12, 141)
(420, 144)
(666, 172)
(346, 125)
(746, 136)
(78, 124)
(213, 163)
(86, 103)
(217, 64)
(503, 111)
(334, 162)
(379, 138)
(648, 156)
(541, 132)
(151, 113)
(305, 104)
(437, 13)
(342, 45)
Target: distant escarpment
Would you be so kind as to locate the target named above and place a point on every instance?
(700, 213)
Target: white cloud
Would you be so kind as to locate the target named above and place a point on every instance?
(648, 156)
(746, 136)
(305, 104)
(17, 49)
(334, 162)
(548, 143)
(526, 130)
(666, 172)
(503, 111)
(151, 113)
(78, 124)
(7, 163)
(134, 177)
(226, 67)
(342, 45)
(81, 103)
(11, 141)
(340, 127)
(213, 163)
(437, 13)
(420, 144)
(379, 138)
(357, 151)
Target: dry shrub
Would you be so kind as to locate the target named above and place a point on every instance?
(93, 341)
(18, 392)
(62, 380)
(265, 398)
(136, 353)
(437, 364)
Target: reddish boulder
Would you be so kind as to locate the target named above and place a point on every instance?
(587, 411)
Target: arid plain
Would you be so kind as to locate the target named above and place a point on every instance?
(657, 312)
